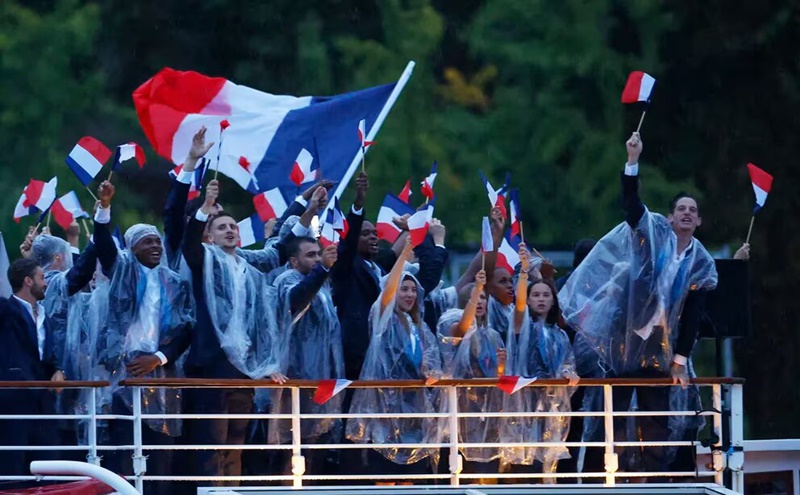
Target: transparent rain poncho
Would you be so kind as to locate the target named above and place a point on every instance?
(474, 356)
(313, 343)
(625, 302)
(242, 309)
(145, 309)
(399, 349)
(499, 315)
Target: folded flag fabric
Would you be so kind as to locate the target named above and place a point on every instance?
(328, 234)
(392, 207)
(251, 231)
(301, 170)
(20, 210)
(497, 197)
(405, 194)
(327, 389)
(362, 135)
(638, 88)
(511, 384)
(762, 184)
(508, 254)
(516, 213)
(427, 184)
(125, 152)
(418, 224)
(487, 243)
(66, 209)
(269, 204)
(267, 129)
(40, 194)
(340, 224)
(87, 159)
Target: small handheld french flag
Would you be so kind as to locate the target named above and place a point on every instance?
(251, 231)
(516, 213)
(418, 224)
(762, 184)
(511, 384)
(301, 170)
(497, 197)
(87, 158)
(392, 206)
(487, 243)
(405, 194)
(362, 135)
(40, 194)
(638, 88)
(327, 389)
(125, 152)
(328, 234)
(508, 254)
(269, 204)
(66, 209)
(427, 184)
(20, 210)
(196, 184)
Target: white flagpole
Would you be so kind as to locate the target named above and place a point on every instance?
(398, 88)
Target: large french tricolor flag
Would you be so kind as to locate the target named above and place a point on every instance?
(269, 204)
(251, 231)
(638, 88)
(392, 207)
(269, 130)
(762, 184)
(87, 158)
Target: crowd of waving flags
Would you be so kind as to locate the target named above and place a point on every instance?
(275, 144)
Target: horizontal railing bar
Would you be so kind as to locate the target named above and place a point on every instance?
(53, 385)
(476, 382)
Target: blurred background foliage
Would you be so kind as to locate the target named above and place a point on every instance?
(531, 87)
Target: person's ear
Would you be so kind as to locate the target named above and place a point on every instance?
(699, 220)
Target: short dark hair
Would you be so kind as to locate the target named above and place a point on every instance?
(214, 218)
(681, 195)
(21, 269)
(293, 247)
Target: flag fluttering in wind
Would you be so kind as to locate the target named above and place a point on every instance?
(487, 243)
(20, 210)
(418, 224)
(251, 231)
(508, 254)
(196, 183)
(301, 170)
(516, 214)
(405, 194)
(427, 184)
(269, 204)
(497, 197)
(67, 209)
(762, 184)
(125, 152)
(638, 88)
(87, 159)
(392, 207)
(327, 389)
(40, 194)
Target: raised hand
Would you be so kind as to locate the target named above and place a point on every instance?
(327, 184)
(480, 280)
(105, 193)
(212, 193)
(498, 223)
(269, 227)
(362, 185)
(743, 253)
(634, 147)
(437, 231)
(319, 200)
(524, 258)
(197, 151)
(329, 256)
(27, 244)
(402, 222)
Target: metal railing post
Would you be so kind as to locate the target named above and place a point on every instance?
(736, 457)
(139, 460)
(455, 458)
(298, 461)
(92, 457)
(610, 458)
(716, 454)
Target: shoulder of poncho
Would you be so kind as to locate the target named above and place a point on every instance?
(454, 313)
(290, 276)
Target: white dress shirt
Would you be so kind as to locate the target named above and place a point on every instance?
(37, 316)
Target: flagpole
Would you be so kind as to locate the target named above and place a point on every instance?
(92, 194)
(750, 230)
(398, 88)
(521, 231)
(641, 120)
(49, 214)
(483, 260)
(110, 174)
(86, 227)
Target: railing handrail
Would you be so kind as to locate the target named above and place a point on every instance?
(51, 384)
(475, 382)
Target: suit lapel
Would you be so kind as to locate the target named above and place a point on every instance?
(29, 325)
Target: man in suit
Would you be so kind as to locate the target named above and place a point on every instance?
(26, 355)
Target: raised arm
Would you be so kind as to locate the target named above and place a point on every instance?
(468, 317)
(348, 247)
(193, 251)
(304, 292)
(432, 256)
(489, 259)
(106, 249)
(521, 292)
(631, 202)
(393, 282)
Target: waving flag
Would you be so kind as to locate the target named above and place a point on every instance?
(362, 135)
(511, 384)
(487, 243)
(340, 224)
(405, 194)
(762, 184)
(327, 389)
(40, 194)
(328, 234)
(392, 207)
(301, 170)
(418, 224)
(638, 88)
(497, 197)
(87, 158)
(427, 184)
(269, 204)
(66, 209)
(267, 129)
(20, 210)
(508, 254)
(127, 151)
(516, 214)
(251, 231)
(196, 184)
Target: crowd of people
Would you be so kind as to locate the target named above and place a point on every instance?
(190, 302)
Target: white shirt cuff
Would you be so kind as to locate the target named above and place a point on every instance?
(200, 216)
(75, 250)
(103, 215)
(359, 211)
(325, 267)
(632, 170)
(185, 177)
(301, 230)
(301, 201)
(441, 246)
(678, 359)
(160, 355)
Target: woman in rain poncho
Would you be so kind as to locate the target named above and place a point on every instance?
(472, 349)
(401, 347)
